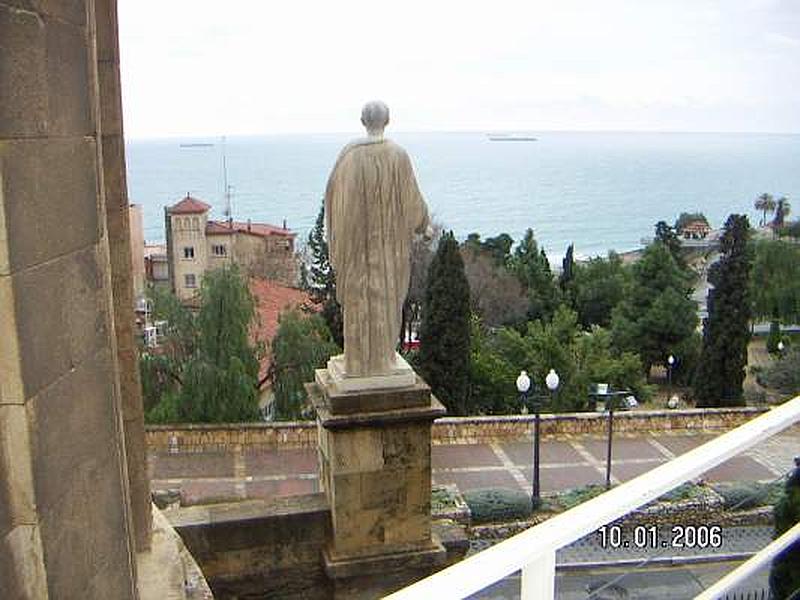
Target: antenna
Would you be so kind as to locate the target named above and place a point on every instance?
(227, 188)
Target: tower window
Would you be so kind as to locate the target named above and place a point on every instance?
(219, 250)
(190, 280)
(188, 252)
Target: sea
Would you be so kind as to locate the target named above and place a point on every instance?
(598, 191)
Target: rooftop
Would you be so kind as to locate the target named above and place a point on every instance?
(189, 205)
(272, 298)
(259, 229)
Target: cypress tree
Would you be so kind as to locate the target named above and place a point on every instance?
(784, 578)
(321, 279)
(565, 280)
(726, 331)
(445, 329)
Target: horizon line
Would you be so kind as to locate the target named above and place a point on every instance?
(454, 131)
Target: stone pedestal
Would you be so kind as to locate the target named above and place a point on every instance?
(375, 467)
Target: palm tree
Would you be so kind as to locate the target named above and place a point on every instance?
(781, 211)
(765, 203)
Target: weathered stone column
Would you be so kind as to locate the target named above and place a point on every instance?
(64, 514)
(375, 466)
(112, 146)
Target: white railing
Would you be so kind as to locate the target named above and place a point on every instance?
(750, 567)
(534, 550)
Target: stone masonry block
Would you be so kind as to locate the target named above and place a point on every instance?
(356, 451)
(406, 445)
(69, 93)
(383, 490)
(74, 551)
(11, 388)
(110, 103)
(23, 79)
(17, 503)
(106, 21)
(22, 568)
(63, 318)
(73, 428)
(71, 12)
(49, 198)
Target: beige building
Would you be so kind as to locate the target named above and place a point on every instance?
(196, 245)
(137, 250)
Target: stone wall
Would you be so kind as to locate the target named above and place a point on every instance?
(259, 549)
(452, 430)
(65, 520)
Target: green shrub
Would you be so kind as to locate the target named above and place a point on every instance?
(576, 496)
(685, 491)
(498, 504)
(784, 373)
(748, 494)
(784, 579)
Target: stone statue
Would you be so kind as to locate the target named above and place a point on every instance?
(373, 208)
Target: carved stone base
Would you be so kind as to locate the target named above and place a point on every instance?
(375, 468)
(414, 559)
(401, 375)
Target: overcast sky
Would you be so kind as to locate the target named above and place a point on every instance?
(202, 67)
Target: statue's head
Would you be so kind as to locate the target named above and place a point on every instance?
(375, 116)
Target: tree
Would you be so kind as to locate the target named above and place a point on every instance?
(495, 294)
(775, 282)
(766, 204)
(726, 330)
(687, 217)
(657, 313)
(567, 276)
(445, 331)
(302, 344)
(532, 268)
(669, 237)
(579, 358)
(208, 370)
(784, 578)
(422, 251)
(599, 286)
(782, 210)
(321, 279)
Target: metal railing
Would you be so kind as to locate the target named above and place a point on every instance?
(534, 551)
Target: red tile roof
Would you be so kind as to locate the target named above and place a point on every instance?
(272, 299)
(189, 205)
(259, 229)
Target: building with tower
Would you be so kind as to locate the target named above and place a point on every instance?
(196, 245)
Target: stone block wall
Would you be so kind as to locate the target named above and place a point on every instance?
(65, 521)
(448, 430)
(263, 548)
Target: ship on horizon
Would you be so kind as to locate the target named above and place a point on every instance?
(510, 137)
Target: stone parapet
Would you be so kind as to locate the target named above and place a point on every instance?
(448, 430)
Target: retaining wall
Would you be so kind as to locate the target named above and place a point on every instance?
(448, 430)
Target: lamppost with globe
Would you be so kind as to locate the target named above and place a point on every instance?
(670, 364)
(523, 387)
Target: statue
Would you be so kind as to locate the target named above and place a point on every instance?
(373, 208)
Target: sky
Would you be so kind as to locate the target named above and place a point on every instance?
(248, 67)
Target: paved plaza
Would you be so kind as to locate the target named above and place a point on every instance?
(566, 463)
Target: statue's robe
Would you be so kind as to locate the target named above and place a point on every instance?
(373, 208)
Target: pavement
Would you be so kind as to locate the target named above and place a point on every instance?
(566, 462)
(651, 583)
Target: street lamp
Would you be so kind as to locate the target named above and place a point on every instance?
(523, 385)
(780, 348)
(670, 363)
